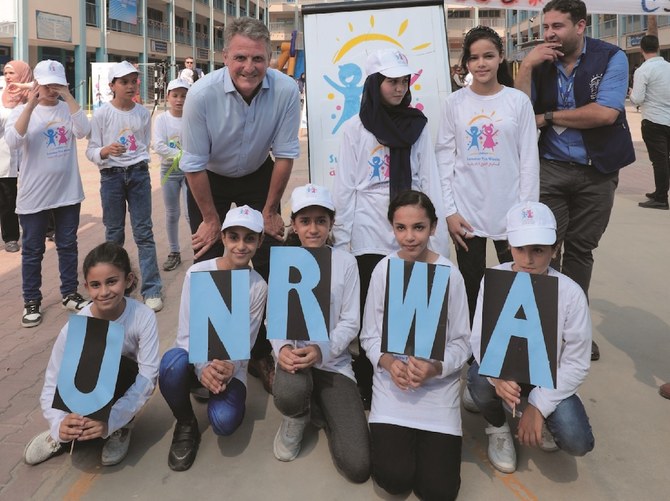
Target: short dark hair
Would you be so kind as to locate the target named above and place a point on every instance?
(414, 198)
(575, 8)
(649, 44)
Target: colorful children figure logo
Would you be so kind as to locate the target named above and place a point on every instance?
(51, 137)
(527, 214)
(481, 133)
(350, 75)
(379, 166)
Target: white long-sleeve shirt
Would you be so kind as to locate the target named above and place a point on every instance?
(361, 191)
(140, 344)
(488, 157)
(651, 90)
(49, 170)
(131, 128)
(167, 137)
(435, 405)
(258, 291)
(344, 317)
(574, 341)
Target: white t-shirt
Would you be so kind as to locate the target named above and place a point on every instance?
(111, 125)
(435, 405)
(488, 158)
(574, 341)
(167, 137)
(361, 191)
(140, 344)
(344, 317)
(258, 291)
(8, 162)
(49, 170)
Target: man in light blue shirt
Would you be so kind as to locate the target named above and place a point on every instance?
(233, 118)
(651, 92)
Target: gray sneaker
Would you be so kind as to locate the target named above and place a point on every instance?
(40, 448)
(548, 444)
(501, 452)
(12, 246)
(289, 437)
(116, 447)
(173, 260)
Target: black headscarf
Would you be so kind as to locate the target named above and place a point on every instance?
(397, 127)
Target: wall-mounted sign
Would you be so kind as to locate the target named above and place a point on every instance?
(54, 27)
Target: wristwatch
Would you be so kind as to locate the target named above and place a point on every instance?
(548, 116)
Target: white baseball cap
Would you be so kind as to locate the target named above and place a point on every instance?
(244, 216)
(531, 223)
(178, 83)
(49, 72)
(121, 70)
(389, 62)
(311, 194)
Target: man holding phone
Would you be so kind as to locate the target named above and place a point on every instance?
(578, 87)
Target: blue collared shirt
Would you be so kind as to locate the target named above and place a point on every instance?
(568, 146)
(224, 134)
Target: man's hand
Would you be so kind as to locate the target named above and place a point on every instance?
(460, 230)
(549, 51)
(273, 225)
(209, 232)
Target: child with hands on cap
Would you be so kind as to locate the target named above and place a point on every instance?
(119, 145)
(554, 418)
(242, 234)
(45, 130)
(312, 377)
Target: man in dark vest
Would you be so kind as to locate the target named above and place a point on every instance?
(578, 88)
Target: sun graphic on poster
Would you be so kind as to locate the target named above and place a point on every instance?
(350, 76)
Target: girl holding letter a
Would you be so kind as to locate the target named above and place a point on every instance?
(415, 421)
(242, 234)
(108, 279)
(317, 378)
(553, 418)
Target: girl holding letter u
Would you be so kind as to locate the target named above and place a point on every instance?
(316, 379)
(108, 279)
(415, 421)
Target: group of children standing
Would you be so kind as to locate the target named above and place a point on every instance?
(411, 440)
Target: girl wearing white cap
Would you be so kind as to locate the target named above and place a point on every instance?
(487, 154)
(312, 377)
(226, 381)
(119, 145)
(45, 129)
(553, 418)
(167, 143)
(386, 149)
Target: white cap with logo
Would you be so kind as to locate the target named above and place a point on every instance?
(121, 70)
(311, 194)
(244, 216)
(178, 83)
(49, 72)
(531, 223)
(389, 62)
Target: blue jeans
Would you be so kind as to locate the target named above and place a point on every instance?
(176, 378)
(568, 424)
(33, 248)
(131, 185)
(173, 189)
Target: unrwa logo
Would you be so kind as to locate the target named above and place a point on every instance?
(594, 84)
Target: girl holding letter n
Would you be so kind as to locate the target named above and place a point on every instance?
(415, 421)
(108, 278)
(312, 377)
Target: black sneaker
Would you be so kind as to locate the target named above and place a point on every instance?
(173, 260)
(595, 351)
(32, 315)
(651, 195)
(74, 302)
(654, 204)
(184, 447)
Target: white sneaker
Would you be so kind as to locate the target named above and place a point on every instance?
(547, 444)
(155, 303)
(116, 447)
(40, 448)
(501, 452)
(289, 437)
(468, 404)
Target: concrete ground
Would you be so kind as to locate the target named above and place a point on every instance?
(631, 320)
